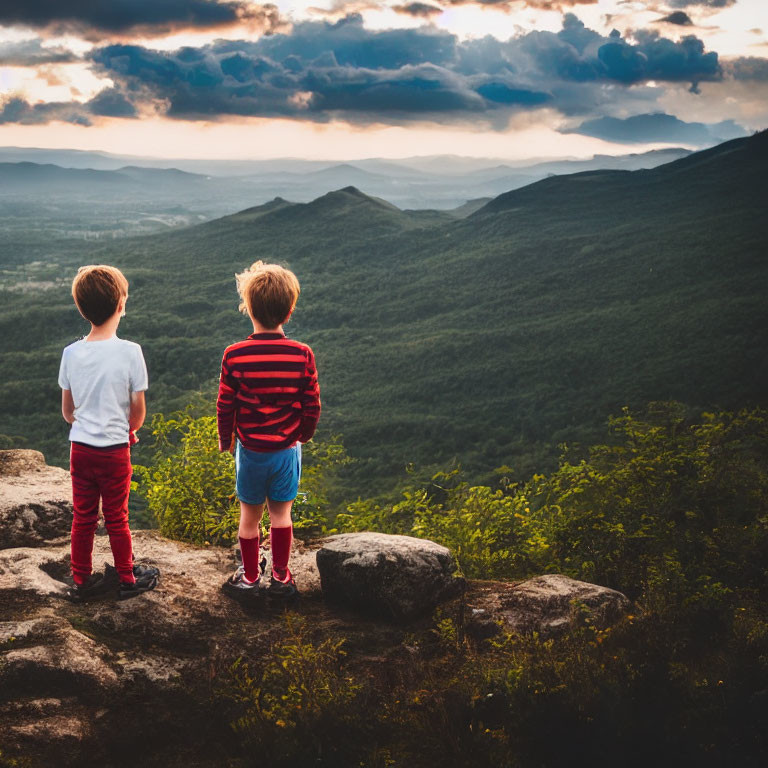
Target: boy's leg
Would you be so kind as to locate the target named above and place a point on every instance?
(248, 533)
(280, 537)
(114, 477)
(282, 493)
(85, 517)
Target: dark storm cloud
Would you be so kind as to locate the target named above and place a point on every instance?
(701, 3)
(92, 17)
(18, 110)
(322, 71)
(420, 10)
(680, 18)
(748, 68)
(659, 127)
(111, 102)
(30, 53)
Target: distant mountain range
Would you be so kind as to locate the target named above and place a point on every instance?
(486, 338)
(211, 188)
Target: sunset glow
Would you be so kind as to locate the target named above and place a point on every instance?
(510, 80)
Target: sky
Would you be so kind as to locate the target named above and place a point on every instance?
(345, 79)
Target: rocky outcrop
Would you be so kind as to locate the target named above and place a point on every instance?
(549, 605)
(73, 675)
(63, 665)
(396, 577)
(35, 500)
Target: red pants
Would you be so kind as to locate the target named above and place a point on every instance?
(100, 475)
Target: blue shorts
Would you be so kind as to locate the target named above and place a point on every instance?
(273, 475)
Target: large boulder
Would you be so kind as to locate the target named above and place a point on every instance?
(395, 577)
(35, 500)
(550, 605)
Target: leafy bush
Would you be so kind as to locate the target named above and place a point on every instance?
(301, 690)
(320, 464)
(189, 486)
(673, 511)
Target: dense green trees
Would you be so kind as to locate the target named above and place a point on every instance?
(486, 340)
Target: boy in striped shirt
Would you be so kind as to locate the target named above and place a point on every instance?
(268, 404)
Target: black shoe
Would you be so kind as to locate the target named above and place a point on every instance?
(146, 577)
(282, 590)
(97, 584)
(236, 586)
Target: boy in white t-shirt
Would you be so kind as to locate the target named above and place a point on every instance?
(102, 380)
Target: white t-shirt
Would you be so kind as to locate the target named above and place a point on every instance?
(101, 376)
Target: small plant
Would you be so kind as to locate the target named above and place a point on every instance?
(320, 463)
(303, 687)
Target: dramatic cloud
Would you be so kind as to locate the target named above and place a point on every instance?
(111, 102)
(421, 10)
(147, 17)
(701, 3)
(680, 18)
(542, 5)
(31, 53)
(320, 71)
(18, 110)
(748, 68)
(659, 127)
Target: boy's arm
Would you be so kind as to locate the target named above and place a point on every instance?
(225, 408)
(139, 382)
(67, 401)
(67, 406)
(310, 402)
(138, 411)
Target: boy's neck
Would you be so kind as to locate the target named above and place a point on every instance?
(259, 328)
(104, 331)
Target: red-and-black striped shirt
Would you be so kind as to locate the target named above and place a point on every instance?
(268, 393)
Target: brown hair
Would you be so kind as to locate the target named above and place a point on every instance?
(268, 293)
(97, 290)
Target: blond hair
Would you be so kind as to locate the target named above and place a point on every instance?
(97, 290)
(268, 293)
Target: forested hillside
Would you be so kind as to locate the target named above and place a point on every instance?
(486, 339)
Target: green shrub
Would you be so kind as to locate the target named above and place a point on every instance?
(674, 511)
(189, 486)
(297, 702)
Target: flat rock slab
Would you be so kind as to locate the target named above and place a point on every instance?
(546, 604)
(49, 654)
(35, 500)
(395, 577)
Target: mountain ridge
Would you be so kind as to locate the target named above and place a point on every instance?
(482, 340)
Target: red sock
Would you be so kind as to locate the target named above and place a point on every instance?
(281, 539)
(249, 552)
